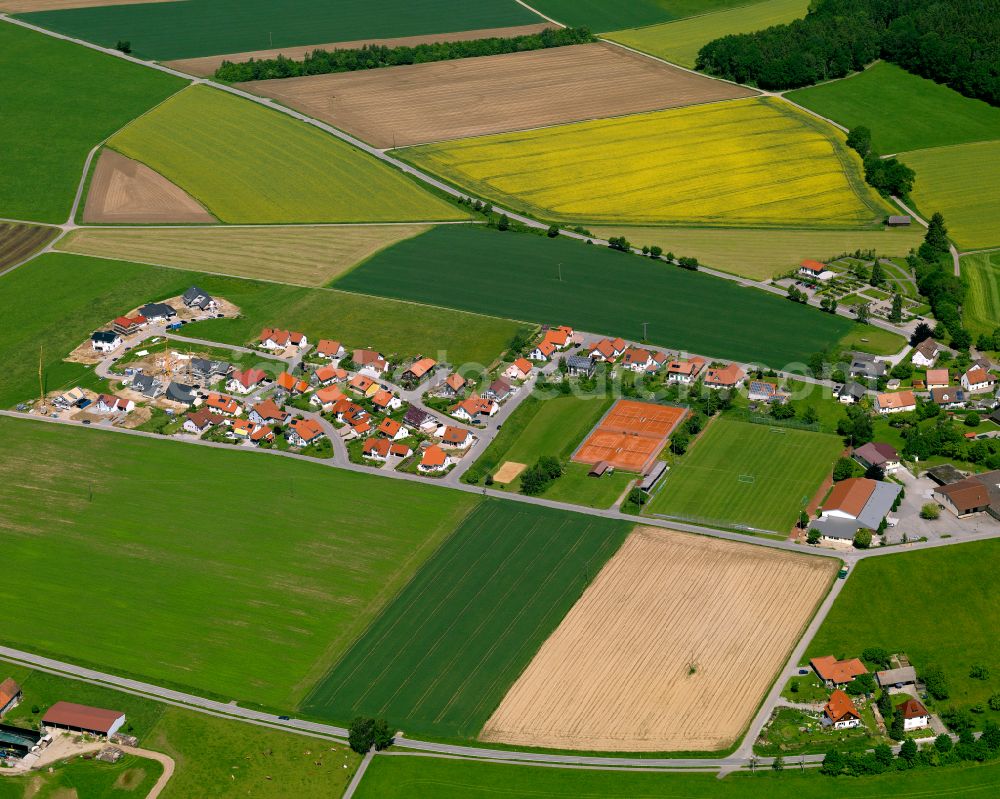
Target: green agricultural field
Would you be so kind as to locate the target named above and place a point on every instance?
(871, 339)
(981, 312)
(609, 15)
(680, 41)
(207, 27)
(756, 162)
(277, 565)
(129, 777)
(960, 182)
(246, 163)
(58, 102)
(434, 778)
(902, 110)
(82, 294)
(747, 474)
(441, 657)
(596, 290)
(762, 254)
(945, 627)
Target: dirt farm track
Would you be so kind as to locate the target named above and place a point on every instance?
(432, 102)
(671, 648)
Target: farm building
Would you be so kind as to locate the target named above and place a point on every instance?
(915, 715)
(978, 379)
(840, 712)
(898, 402)
(926, 353)
(10, 695)
(835, 672)
(194, 297)
(884, 456)
(978, 493)
(854, 504)
(105, 341)
(82, 718)
(905, 675)
(16, 742)
(898, 221)
(730, 377)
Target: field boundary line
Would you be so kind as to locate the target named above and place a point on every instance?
(539, 13)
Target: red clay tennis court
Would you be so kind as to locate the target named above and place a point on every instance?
(630, 435)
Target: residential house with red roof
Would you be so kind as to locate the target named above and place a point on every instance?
(392, 430)
(246, 381)
(456, 437)
(433, 460)
(453, 385)
(303, 432)
(226, 406)
(418, 370)
(201, 420)
(978, 379)
(291, 383)
(899, 402)
(685, 371)
(326, 397)
(109, 403)
(815, 270)
(127, 325)
(326, 375)
(854, 504)
(267, 412)
(840, 712)
(385, 401)
(730, 377)
(328, 348)
(835, 672)
(915, 715)
(370, 360)
(519, 370)
(474, 409)
(271, 338)
(607, 349)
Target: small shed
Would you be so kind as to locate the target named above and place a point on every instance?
(898, 221)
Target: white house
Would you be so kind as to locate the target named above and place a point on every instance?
(978, 379)
(840, 712)
(109, 403)
(245, 381)
(926, 353)
(456, 437)
(519, 370)
(815, 270)
(915, 715)
(433, 460)
(636, 359)
(899, 402)
(105, 341)
(474, 408)
(685, 371)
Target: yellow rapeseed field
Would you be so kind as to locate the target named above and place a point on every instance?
(745, 162)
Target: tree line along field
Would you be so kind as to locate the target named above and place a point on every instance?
(679, 41)
(18, 241)
(416, 777)
(559, 281)
(602, 15)
(748, 162)
(943, 628)
(82, 294)
(960, 181)
(761, 254)
(249, 164)
(442, 655)
(981, 311)
(59, 101)
(421, 103)
(248, 550)
(902, 110)
(162, 31)
(738, 473)
(299, 255)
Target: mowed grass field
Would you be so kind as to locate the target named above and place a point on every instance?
(948, 627)
(59, 101)
(440, 658)
(304, 256)
(680, 41)
(246, 163)
(981, 311)
(902, 110)
(746, 162)
(742, 473)
(82, 294)
(228, 573)
(608, 15)
(435, 778)
(762, 254)
(600, 291)
(960, 181)
(205, 27)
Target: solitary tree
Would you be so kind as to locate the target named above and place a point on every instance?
(896, 314)
(361, 734)
(863, 313)
(878, 275)
(863, 538)
(778, 763)
(908, 751)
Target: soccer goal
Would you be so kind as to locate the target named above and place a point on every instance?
(746, 478)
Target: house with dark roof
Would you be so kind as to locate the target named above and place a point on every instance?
(417, 419)
(147, 385)
(850, 393)
(194, 297)
(105, 341)
(179, 392)
(854, 504)
(926, 353)
(499, 390)
(580, 366)
(884, 456)
(868, 366)
(204, 370)
(201, 420)
(157, 311)
(949, 398)
(978, 493)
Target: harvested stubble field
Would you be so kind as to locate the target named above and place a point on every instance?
(123, 190)
(745, 162)
(206, 65)
(18, 241)
(298, 255)
(671, 648)
(246, 163)
(421, 103)
(441, 656)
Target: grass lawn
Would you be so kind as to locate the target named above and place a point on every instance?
(84, 293)
(246, 163)
(680, 41)
(577, 486)
(811, 689)
(981, 312)
(944, 626)
(443, 654)
(58, 101)
(785, 735)
(602, 15)
(601, 291)
(902, 110)
(278, 565)
(757, 162)
(820, 398)
(762, 254)
(129, 777)
(206, 27)
(960, 181)
(781, 473)
(871, 339)
(432, 778)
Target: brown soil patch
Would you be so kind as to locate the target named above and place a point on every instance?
(18, 241)
(123, 190)
(630, 435)
(671, 648)
(129, 778)
(27, 6)
(420, 103)
(206, 65)
(509, 472)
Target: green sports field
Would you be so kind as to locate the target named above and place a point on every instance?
(747, 474)
(441, 657)
(902, 110)
(207, 27)
(680, 41)
(59, 101)
(960, 181)
(600, 291)
(981, 312)
(945, 625)
(433, 778)
(238, 575)
(246, 163)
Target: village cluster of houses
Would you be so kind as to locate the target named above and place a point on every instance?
(109, 340)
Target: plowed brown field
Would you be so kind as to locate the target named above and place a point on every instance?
(421, 103)
(206, 65)
(671, 648)
(123, 190)
(18, 241)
